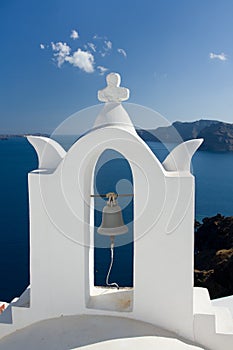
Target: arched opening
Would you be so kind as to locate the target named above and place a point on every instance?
(113, 174)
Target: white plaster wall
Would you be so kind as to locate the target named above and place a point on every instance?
(57, 263)
(164, 268)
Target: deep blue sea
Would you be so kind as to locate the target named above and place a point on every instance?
(214, 194)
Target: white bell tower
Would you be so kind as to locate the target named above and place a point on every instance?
(62, 216)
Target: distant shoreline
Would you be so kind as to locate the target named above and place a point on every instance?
(4, 137)
(217, 136)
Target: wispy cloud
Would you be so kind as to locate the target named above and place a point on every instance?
(99, 37)
(74, 34)
(92, 46)
(106, 48)
(108, 44)
(221, 56)
(61, 51)
(102, 69)
(122, 52)
(84, 60)
(42, 46)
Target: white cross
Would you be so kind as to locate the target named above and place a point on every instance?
(113, 92)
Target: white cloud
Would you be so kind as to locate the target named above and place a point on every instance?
(42, 46)
(102, 69)
(74, 34)
(221, 56)
(82, 59)
(122, 52)
(92, 46)
(108, 44)
(62, 50)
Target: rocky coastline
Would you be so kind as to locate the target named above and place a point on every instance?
(213, 260)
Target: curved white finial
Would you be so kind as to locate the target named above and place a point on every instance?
(180, 157)
(113, 92)
(49, 152)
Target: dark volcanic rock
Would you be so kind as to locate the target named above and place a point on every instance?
(218, 137)
(192, 130)
(214, 255)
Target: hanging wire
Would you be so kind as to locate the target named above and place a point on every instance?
(110, 266)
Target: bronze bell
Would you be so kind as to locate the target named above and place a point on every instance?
(112, 220)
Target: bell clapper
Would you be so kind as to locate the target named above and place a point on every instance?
(110, 266)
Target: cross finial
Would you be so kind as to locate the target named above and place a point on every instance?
(113, 92)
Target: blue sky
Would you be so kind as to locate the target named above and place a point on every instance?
(177, 58)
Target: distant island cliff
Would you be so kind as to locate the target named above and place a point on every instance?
(218, 136)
